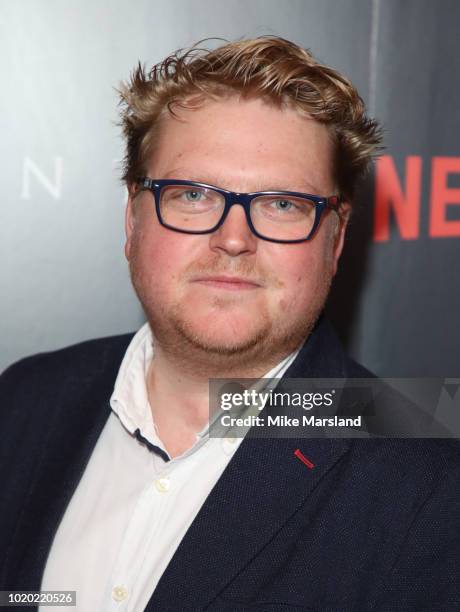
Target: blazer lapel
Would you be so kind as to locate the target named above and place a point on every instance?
(262, 487)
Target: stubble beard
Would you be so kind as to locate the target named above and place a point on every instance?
(189, 347)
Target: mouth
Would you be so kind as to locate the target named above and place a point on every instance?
(228, 283)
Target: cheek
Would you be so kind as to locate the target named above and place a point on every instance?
(151, 258)
(303, 276)
(161, 257)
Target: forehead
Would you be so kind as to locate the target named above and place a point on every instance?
(244, 145)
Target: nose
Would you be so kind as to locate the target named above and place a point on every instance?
(234, 236)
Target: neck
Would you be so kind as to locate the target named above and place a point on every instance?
(178, 391)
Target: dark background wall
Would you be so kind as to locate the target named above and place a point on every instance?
(62, 269)
(397, 298)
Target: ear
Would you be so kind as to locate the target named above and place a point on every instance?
(339, 236)
(129, 220)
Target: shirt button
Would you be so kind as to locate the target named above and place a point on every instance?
(119, 593)
(162, 484)
(228, 445)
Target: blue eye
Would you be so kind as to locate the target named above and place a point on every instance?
(283, 204)
(193, 196)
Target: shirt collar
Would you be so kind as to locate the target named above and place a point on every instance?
(129, 399)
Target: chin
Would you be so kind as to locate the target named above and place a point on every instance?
(223, 335)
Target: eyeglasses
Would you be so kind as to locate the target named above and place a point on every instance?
(276, 216)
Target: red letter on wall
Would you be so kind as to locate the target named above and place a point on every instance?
(442, 196)
(388, 194)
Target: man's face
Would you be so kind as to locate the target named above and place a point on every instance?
(183, 280)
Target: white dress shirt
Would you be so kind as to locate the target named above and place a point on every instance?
(134, 504)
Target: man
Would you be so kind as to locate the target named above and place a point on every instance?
(241, 167)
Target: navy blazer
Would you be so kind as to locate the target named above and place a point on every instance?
(374, 525)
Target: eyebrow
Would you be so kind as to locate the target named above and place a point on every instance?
(263, 184)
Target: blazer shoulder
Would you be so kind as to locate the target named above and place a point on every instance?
(79, 363)
(356, 370)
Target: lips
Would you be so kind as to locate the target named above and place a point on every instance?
(231, 283)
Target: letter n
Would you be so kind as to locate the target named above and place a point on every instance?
(31, 168)
(389, 195)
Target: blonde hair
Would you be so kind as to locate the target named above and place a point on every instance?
(267, 67)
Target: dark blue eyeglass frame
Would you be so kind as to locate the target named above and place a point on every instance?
(243, 199)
